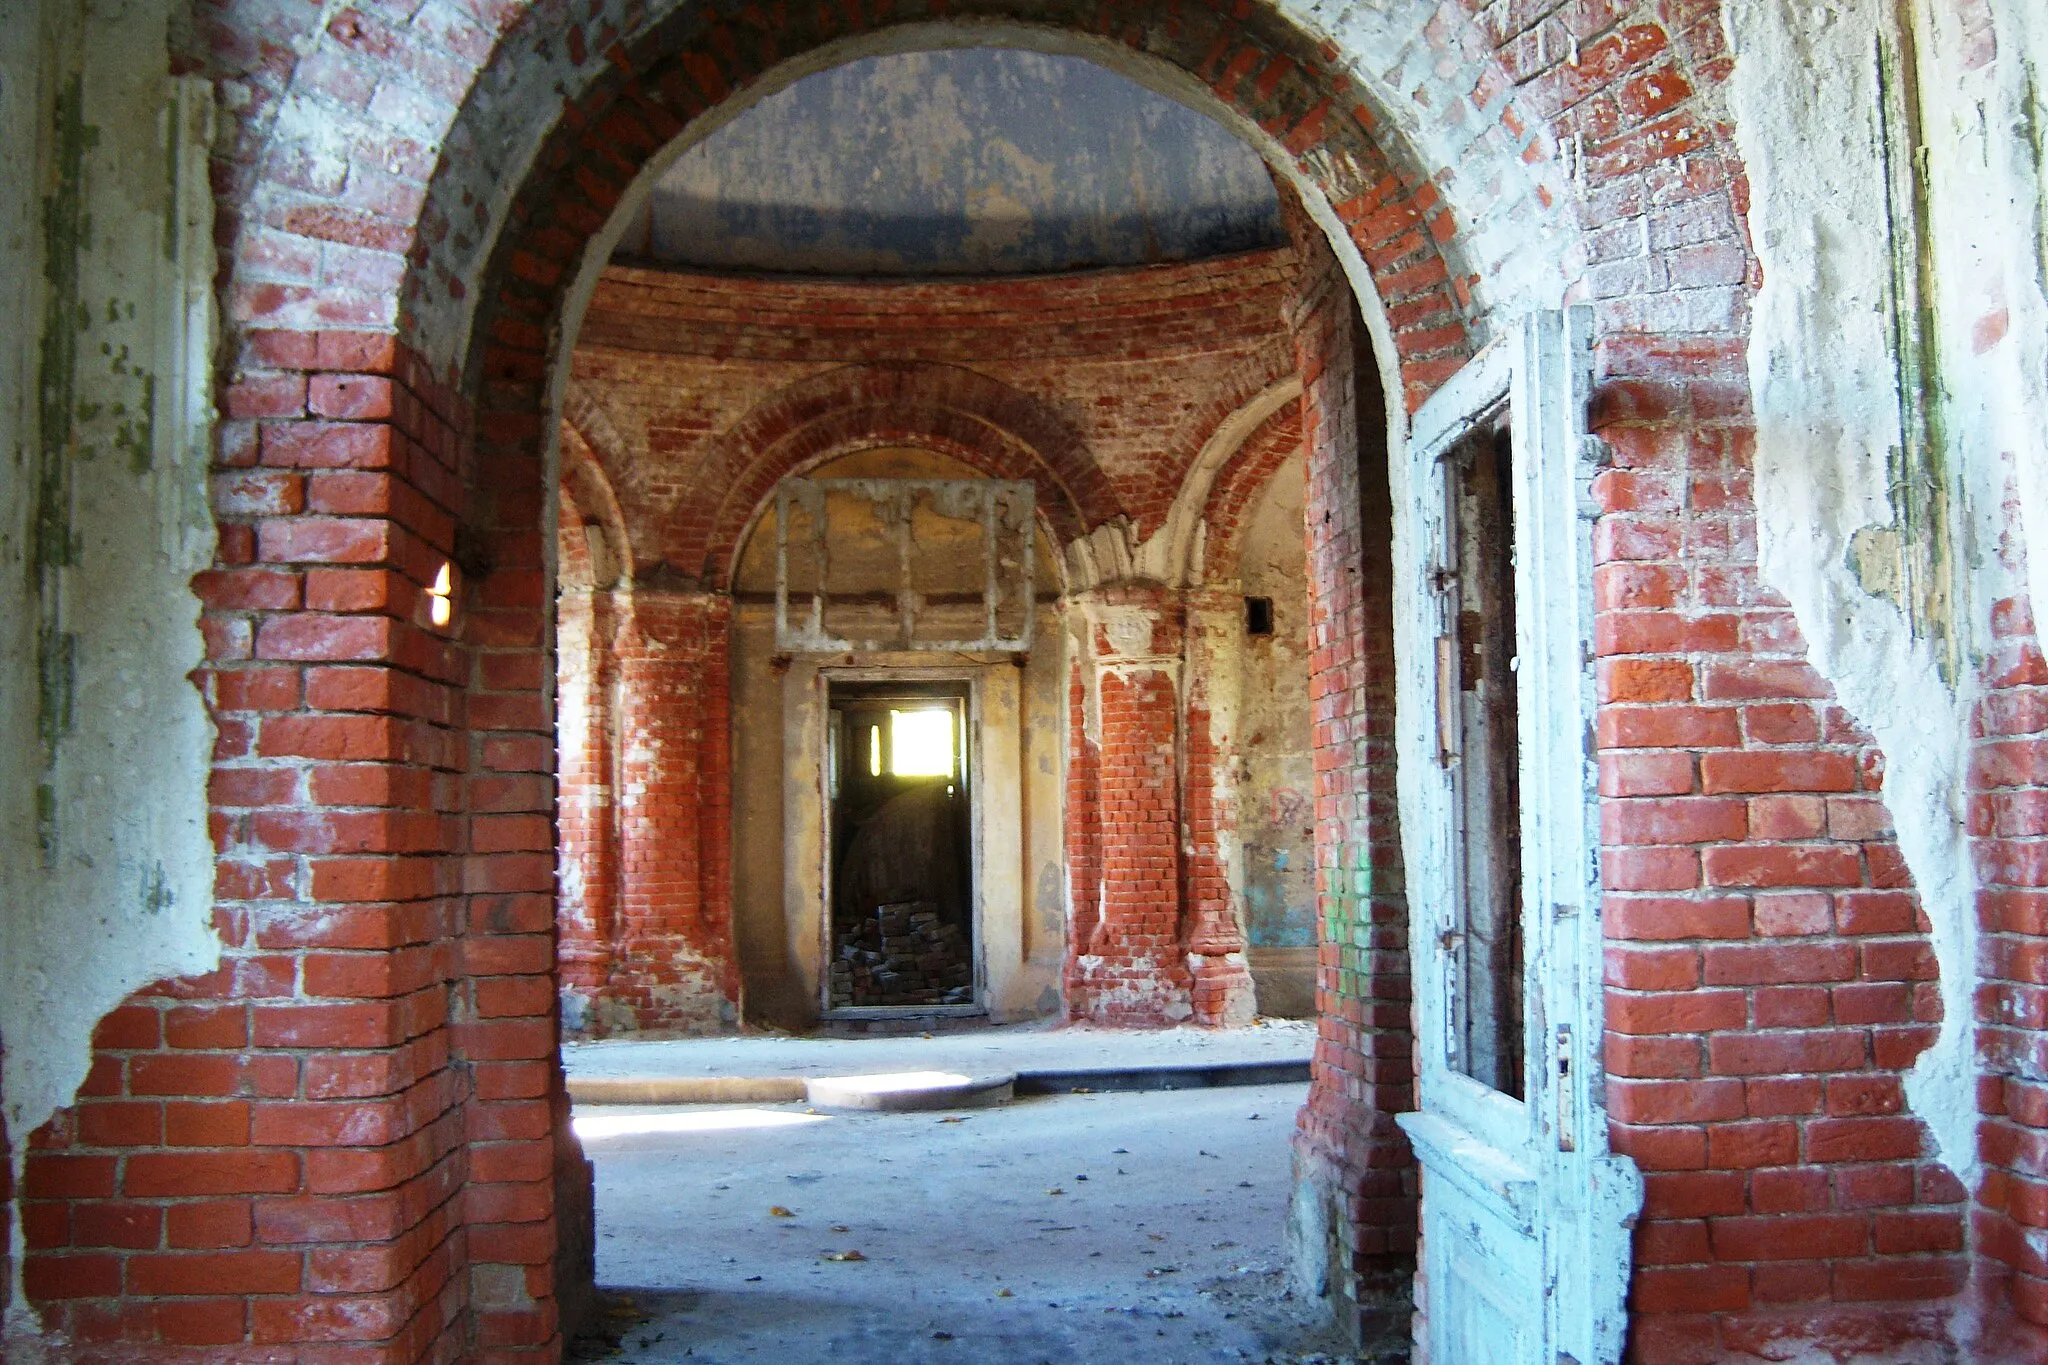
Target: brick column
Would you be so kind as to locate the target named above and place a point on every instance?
(2009, 819)
(1126, 965)
(1222, 980)
(673, 965)
(1356, 1190)
(587, 869)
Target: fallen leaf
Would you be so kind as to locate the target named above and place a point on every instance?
(777, 1211)
(1004, 1294)
(841, 1227)
(957, 1118)
(844, 1256)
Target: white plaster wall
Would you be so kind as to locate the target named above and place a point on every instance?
(1275, 726)
(1805, 94)
(106, 879)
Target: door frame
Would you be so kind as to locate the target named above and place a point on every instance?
(968, 681)
(1539, 1165)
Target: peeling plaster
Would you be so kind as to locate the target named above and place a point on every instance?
(1834, 331)
(963, 161)
(106, 872)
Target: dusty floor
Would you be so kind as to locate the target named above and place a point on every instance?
(1130, 1228)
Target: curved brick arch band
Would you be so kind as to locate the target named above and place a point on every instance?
(1241, 481)
(999, 430)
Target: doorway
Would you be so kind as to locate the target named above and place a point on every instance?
(900, 932)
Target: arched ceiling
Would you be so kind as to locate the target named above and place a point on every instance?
(966, 162)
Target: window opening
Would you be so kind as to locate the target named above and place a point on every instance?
(1258, 616)
(921, 743)
(1478, 688)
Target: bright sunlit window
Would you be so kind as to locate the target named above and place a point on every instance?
(921, 743)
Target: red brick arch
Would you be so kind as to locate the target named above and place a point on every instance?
(1001, 431)
(1239, 483)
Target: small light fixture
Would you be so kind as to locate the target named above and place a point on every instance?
(441, 597)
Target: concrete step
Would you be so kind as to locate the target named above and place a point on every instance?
(905, 1091)
(910, 1091)
(686, 1089)
(1083, 1080)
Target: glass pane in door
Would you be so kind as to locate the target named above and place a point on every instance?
(1485, 948)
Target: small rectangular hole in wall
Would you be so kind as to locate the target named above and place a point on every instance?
(1258, 616)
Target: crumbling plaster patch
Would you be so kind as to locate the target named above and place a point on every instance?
(106, 865)
(1825, 374)
(2013, 196)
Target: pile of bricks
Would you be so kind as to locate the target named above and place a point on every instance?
(905, 955)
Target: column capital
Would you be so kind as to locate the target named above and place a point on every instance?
(1132, 624)
(661, 622)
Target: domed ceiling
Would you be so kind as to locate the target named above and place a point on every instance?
(967, 162)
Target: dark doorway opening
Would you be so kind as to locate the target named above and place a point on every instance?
(901, 933)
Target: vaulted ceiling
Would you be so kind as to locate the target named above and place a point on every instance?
(966, 162)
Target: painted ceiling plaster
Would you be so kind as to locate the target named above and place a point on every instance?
(973, 161)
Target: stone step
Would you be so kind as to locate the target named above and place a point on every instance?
(915, 1090)
(907, 1091)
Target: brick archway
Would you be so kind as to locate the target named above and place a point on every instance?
(370, 1084)
(1240, 481)
(1004, 433)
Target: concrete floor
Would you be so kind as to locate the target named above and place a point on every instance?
(1133, 1229)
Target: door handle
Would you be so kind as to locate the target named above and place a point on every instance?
(1567, 1110)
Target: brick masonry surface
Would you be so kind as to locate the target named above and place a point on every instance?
(347, 1145)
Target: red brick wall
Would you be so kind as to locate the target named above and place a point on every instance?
(587, 820)
(1348, 1150)
(673, 966)
(1102, 387)
(2009, 824)
(1130, 964)
(696, 394)
(1770, 978)
(335, 1135)
(645, 914)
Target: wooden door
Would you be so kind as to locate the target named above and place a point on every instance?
(1525, 1214)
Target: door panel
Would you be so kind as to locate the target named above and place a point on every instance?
(1525, 1214)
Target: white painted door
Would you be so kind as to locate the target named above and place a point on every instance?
(1525, 1214)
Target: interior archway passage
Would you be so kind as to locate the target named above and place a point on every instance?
(349, 1140)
